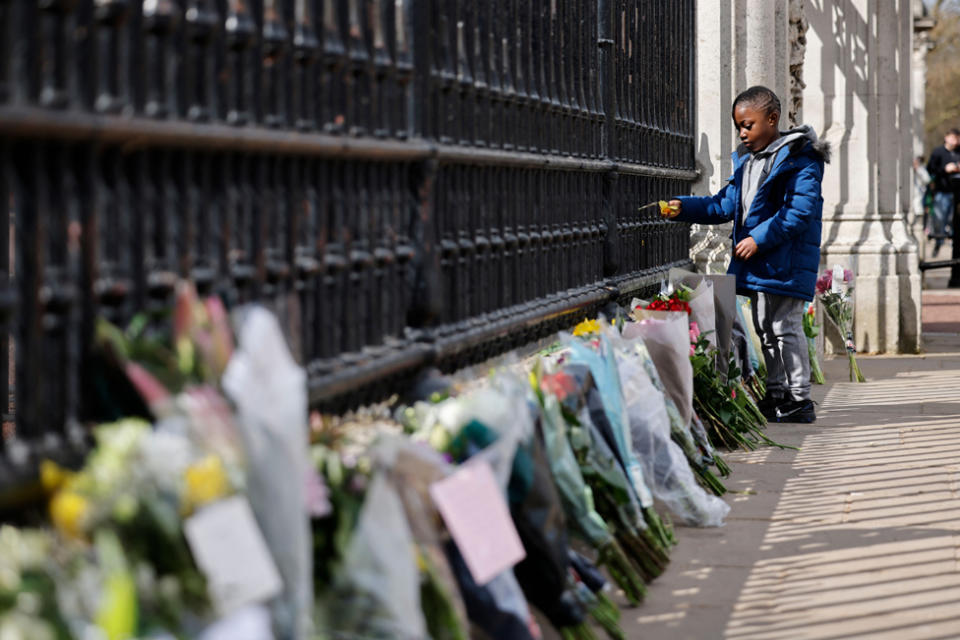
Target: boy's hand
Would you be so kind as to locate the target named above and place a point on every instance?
(746, 249)
(670, 209)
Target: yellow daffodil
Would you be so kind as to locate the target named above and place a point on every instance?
(667, 210)
(204, 481)
(53, 477)
(587, 327)
(69, 511)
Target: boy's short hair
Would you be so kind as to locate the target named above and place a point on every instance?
(759, 97)
(953, 132)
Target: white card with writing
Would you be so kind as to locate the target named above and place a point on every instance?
(230, 550)
(477, 517)
(836, 286)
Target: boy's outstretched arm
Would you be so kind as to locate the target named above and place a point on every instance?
(801, 207)
(715, 209)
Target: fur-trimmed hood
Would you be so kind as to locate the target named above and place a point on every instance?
(797, 139)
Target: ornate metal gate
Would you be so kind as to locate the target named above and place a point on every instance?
(407, 181)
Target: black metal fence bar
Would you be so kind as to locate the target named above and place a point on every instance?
(406, 182)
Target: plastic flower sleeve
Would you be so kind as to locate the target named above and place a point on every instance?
(412, 468)
(703, 312)
(577, 499)
(376, 592)
(499, 409)
(539, 518)
(502, 406)
(724, 301)
(742, 349)
(681, 432)
(616, 499)
(576, 495)
(664, 463)
(270, 393)
(745, 307)
(603, 368)
(667, 339)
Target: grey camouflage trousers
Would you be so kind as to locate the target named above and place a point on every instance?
(779, 322)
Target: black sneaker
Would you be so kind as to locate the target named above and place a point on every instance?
(799, 411)
(768, 407)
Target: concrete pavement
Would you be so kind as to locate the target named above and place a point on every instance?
(854, 535)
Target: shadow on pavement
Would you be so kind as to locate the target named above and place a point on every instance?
(856, 535)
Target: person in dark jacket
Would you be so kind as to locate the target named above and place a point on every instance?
(774, 199)
(944, 170)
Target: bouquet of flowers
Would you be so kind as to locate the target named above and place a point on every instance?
(756, 381)
(556, 395)
(29, 606)
(835, 289)
(731, 417)
(811, 329)
(136, 533)
(679, 300)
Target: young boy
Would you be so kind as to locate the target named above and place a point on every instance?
(774, 200)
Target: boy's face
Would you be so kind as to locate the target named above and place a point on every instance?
(756, 127)
(951, 141)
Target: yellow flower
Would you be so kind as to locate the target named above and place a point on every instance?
(587, 327)
(117, 616)
(667, 210)
(204, 481)
(117, 613)
(52, 476)
(69, 511)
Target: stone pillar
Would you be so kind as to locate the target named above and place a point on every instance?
(922, 24)
(858, 96)
(752, 39)
(762, 31)
(716, 29)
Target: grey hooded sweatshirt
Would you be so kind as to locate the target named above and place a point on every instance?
(756, 169)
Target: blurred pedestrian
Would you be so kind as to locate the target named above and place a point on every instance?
(944, 168)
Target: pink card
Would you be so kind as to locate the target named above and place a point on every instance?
(478, 519)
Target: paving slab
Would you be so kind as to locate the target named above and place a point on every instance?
(854, 535)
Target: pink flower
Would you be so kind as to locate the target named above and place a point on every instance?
(824, 282)
(694, 330)
(156, 396)
(733, 393)
(847, 275)
(693, 350)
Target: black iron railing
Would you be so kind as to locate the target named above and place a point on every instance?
(406, 181)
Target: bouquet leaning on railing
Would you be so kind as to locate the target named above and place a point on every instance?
(811, 329)
(834, 288)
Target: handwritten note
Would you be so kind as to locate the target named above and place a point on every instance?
(477, 517)
(230, 550)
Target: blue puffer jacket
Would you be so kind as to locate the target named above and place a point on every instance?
(784, 218)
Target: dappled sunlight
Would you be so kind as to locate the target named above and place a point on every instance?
(864, 541)
(914, 387)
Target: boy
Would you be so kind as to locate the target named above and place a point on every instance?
(774, 200)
